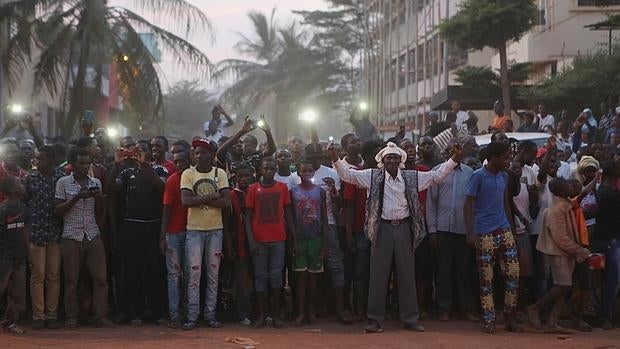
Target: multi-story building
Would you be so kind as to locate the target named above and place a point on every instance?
(407, 64)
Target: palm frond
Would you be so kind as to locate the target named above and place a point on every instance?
(233, 68)
(49, 71)
(187, 54)
(179, 12)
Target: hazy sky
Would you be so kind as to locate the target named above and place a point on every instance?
(228, 17)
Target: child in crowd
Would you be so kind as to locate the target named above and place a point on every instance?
(268, 204)
(310, 212)
(558, 240)
(237, 244)
(14, 239)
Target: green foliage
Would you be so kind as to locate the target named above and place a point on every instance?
(590, 81)
(186, 106)
(79, 36)
(489, 23)
(483, 80)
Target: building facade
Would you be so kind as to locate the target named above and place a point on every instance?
(406, 63)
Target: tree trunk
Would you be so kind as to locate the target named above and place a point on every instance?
(503, 78)
(79, 86)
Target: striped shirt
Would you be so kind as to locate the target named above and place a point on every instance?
(80, 221)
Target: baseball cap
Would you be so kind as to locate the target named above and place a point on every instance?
(314, 150)
(204, 143)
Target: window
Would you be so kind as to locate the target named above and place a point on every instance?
(585, 3)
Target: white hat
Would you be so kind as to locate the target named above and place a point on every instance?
(391, 148)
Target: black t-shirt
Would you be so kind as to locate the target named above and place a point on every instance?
(141, 199)
(607, 217)
(14, 220)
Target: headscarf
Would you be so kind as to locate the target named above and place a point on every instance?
(588, 161)
(391, 148)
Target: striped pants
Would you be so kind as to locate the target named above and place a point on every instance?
(497, 246)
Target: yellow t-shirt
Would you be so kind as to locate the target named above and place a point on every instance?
(204, 217)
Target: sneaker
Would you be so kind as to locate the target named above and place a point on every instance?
(190, 325)
(488, 327)
(53, 324)
(174, 324)
(245, 322)
(373, 328)
(104, 323)
(135, 323)
(213, 323)
(37, 324)
(72, 323)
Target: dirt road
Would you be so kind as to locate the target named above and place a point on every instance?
(461, 335)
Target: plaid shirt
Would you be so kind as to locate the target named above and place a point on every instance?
(40, 192)
(80, 220)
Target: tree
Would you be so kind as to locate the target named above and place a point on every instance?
(284, 72)
(483, 81)
(78, 37)
(186, 106)
(588, 82)
(490, 23)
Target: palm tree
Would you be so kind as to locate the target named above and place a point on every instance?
(284, 71)
(75, 35)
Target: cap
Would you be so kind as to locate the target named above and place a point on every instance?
(204, 143)
(314, 150)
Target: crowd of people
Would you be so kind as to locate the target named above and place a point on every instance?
(364, 229)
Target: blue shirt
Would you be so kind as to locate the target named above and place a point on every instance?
(489, 191)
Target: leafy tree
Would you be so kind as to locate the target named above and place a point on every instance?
(490, 23)
(589, 81)
(187, 105)
(78, 37)
(483, 80)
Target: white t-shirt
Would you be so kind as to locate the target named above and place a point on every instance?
(548, 120)
(564, 171)
(461, 117)
(522, 203)
(290, 180)
(215, 138)
(319, 174)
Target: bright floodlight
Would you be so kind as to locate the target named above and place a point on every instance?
(112, 132)
(308, 116)
(331, 138)
(16, 108)
(125, 58)
(260, 123)
(363, 106)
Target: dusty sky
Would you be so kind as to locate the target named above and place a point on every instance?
(228, 17)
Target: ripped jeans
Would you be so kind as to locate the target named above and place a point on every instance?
(175, 261)
(202, 248)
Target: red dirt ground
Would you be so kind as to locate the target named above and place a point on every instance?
(438, 335)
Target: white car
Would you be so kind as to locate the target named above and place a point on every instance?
(537, 137)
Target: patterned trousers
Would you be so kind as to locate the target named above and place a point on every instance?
(498, 245)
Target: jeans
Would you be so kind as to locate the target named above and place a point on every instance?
(92, 254)
(13, 280)
(45, 280)
(268, 265)
(175, 252)
(361, 260)
(335, 257)
(612, 279)
(454, 263)
(243, 289)
(202, 246)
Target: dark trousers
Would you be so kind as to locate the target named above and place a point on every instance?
(393, 242)
(454, 272)
(13, 281)
(144, 269)
(92, 254)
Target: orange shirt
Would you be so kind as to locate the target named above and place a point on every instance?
(582, 227)
(499, 123)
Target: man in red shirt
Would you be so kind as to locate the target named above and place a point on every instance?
(172, 238)
(159, 144)
(268, 203)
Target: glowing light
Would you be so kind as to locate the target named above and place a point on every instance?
(260, 123)
(331, 138)
(125, 58)
(112, 132)
(363, 106)
(16, 108)
(308, 116)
